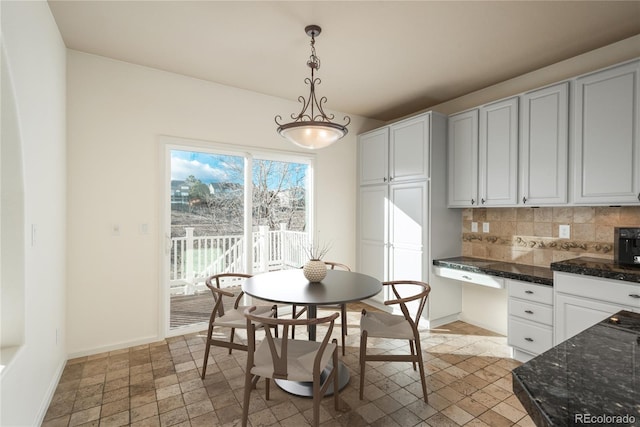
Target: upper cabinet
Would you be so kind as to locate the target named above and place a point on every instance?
(607, 136)
(498, 153)
(462, 154)
(391, 154)
(408, 160)
(374, 165)
(483, 156)
(520, 152)
(544, 146)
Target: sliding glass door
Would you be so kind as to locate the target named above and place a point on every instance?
(229, 212)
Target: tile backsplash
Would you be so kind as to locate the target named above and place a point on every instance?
(531, 235)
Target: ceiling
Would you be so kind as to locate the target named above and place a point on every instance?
(380, 59)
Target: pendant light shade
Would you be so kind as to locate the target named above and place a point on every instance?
(312, 128)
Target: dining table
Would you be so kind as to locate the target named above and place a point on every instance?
(291, 287)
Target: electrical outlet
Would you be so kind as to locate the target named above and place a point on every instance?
(474, 227)
(144, 228)
(564, 231)
(485, 227)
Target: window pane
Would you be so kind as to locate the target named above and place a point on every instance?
(207, 219)
(279, 214)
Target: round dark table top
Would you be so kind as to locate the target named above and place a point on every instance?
(291, 287)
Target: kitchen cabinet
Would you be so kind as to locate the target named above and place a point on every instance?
(391, 154)
(606, 151)
(483, 156)
(463, 159)
(530, 324)
(373, 161)
(582, 301)
(498, 153)
(403, 221)
(544, 146)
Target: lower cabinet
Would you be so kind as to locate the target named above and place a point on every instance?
(530, 326)
(582, 301)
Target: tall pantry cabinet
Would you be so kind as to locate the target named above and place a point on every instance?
(403, 220)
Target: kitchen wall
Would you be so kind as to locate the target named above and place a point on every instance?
(33, 270)
(116, 113)
(530, 235)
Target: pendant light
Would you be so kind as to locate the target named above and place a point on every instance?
(312, 128)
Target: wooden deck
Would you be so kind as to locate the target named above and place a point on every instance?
(190, 309)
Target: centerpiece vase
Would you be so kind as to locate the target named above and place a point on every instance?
(314, 270)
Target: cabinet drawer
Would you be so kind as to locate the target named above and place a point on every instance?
(530, 292)
(531, 311)
(614, 291)
(466, 276)
(530, 337)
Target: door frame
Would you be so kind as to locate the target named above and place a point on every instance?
(249, 153)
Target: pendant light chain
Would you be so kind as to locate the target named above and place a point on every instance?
(313, 128)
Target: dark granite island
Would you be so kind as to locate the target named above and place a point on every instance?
(591, 378)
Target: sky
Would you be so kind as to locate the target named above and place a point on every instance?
(211, 168)
(206, 167)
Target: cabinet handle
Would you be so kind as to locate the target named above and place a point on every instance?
(634, 295)
(473, 201)
(528, 311)
(528, 292)
(528, 339)
(384, 179)
(467, 277)
(524, 200)
(638, 196)
(482, 200)
(390, 178)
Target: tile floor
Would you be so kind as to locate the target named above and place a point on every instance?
(468, 368)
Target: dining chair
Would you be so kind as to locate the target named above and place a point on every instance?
(231, 318)
(384, 325)
(291, 359)
(342, 307)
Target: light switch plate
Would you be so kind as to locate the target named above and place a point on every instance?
(474, 227)
(485, 227)
(564, 231)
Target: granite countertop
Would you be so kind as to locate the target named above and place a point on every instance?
(593, 374)
(525, 273)
(598, 267)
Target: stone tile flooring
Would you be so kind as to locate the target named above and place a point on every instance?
(468, 368)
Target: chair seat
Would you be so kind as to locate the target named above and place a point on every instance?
(385, 325)
(234, 318)
(300, 354)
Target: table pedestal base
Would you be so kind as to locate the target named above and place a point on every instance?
(305, 389)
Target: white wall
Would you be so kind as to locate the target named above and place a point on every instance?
(485, 307)
(590, 61)
(116, 111)
(35, 56)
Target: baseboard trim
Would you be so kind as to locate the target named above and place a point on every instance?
(482, 325)
(51, 390)
(436, 323)
(113, 347)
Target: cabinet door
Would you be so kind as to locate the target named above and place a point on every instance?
(407, 230)
(462, 154)
(544, 146)
(373, 156)
(372, 232)
(607, 136)
(409, 149)
(408, 236)
(498, 153)
(574, 314)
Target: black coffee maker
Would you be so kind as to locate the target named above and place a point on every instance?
(626, 245)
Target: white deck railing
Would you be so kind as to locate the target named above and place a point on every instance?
(195, 258)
